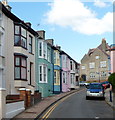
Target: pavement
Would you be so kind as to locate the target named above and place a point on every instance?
(107, 97)
(37, 110)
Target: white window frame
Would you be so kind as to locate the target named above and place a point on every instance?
(103, 64)
(40, 42)
(49, 55)
(43, 49)
(97, 57)
(92, 65)
(92, 75)
(43, 74)
(54, 57)
(72, 78)
(64, 59)
(83, 67)
(57, 57)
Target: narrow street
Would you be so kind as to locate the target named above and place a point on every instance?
(76, 106)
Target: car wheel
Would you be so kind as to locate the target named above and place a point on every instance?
(87, 97)
(103, 98)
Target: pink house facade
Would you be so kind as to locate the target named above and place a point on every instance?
(70, 72)
(65, 72)
(112, 56)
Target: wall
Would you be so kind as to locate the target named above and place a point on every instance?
(112, 61)
(86, 60)
(8, 52)
(13, 109)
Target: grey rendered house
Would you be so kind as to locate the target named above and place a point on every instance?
(95, 64)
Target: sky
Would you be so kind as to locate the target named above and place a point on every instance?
(74, 25)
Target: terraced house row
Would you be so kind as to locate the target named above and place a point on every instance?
(30, 62)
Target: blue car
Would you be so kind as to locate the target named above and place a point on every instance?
(95, 90)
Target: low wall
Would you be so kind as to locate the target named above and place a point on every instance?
(13, 109)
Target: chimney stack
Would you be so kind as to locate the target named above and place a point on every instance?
(28, 23)
(5, 3)
(50, 41)
(58, 47)
(104, 47)
(41, 34)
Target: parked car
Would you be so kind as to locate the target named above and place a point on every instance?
(105, 84)
(95, 90)
(83, 83)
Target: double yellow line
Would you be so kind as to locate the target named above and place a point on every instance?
(48, 113)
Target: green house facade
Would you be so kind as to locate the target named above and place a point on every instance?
(44, 66)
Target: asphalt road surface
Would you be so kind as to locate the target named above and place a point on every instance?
(76, 106)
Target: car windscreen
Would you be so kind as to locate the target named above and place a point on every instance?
(95, 86)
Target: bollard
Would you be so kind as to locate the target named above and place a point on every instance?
(110, 96)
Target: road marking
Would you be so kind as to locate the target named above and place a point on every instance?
(48, 113)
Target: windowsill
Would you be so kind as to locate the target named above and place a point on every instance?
(21, 79)
(31, 85)
(43, 82)
(31, 53)
(20, 46)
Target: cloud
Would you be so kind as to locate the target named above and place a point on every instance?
(100, 3)
(77, 16)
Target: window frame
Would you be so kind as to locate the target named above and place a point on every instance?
(49, 55)
(71, 65)
(20, 37)
(31, 44)
(43, 75)
(103, 64)
(92, 65)
(20, 66)
(92, 75)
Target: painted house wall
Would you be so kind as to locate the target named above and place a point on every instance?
(57, 72)
(46, 88)
(65, 73)
(30, 59)
(8, 53)
(13, 85)
(112, 56)
(72, 75)
(2, 51)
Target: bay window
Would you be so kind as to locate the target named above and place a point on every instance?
(42, 73)
(20, 68)
(42, 46)
(20, 36)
